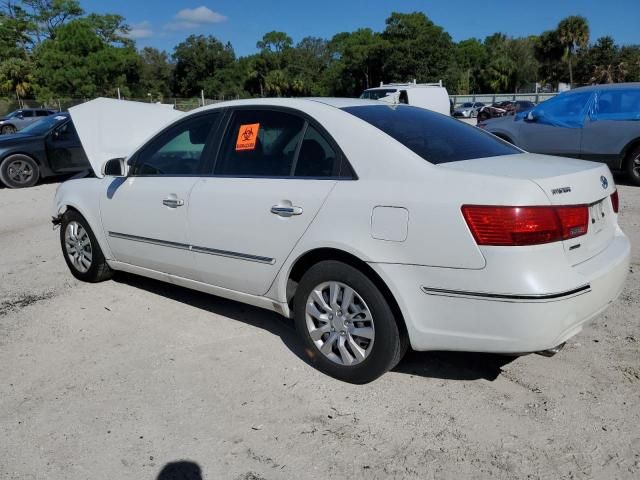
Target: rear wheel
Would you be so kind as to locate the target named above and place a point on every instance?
(81, 250)
(19, 171)
(632, 166)
(346, 323)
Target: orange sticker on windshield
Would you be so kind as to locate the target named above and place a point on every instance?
(247, 136)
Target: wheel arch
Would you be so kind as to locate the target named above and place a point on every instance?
(306, 260)
(629, 147)
(21, 152)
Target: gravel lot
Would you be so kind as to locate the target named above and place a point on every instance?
(120, 379)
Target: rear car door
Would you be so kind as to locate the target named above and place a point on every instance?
(557, 125)
(64, 150)
(272, 173)
(613, 122)
(144, 215)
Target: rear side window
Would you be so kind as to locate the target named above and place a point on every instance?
(618, 105)
(42, 113)
(317, 158)
(260, 143)
(435, 137)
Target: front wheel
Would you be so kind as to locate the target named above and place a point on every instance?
(632, 166)
(346, 323)
(8, 129)
(81, 250)
(19, 171)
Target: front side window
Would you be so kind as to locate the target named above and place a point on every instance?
(27, 113)
(434, 137)
(618, 105)
(67, 132)
(178, 150)
(260, 143)
(566, 110)
(42, 113)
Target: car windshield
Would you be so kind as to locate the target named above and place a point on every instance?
(376, 94)
(43, 126)
(436, 138)
(15, 113)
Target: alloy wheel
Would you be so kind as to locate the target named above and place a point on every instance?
(340, 323)
(78, 246)
(20, 171)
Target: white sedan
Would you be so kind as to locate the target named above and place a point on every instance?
(373, 226)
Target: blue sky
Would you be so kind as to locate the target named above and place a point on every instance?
(164, 23)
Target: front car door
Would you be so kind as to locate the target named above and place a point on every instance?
(144, 215)
(614, 121)
(557, 125)
(64, 150)
(272, 174)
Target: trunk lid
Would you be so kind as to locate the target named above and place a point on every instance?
(565, 181)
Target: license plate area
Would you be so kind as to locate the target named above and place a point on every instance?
(597, 216)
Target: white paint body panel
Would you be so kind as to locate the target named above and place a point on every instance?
(435, 250)
(111, 128)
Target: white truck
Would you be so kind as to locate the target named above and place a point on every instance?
(432, 96)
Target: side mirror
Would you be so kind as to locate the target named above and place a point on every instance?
(116, 167)
(21, 116)
(531, 116)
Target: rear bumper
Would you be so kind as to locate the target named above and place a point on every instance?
(481, 320)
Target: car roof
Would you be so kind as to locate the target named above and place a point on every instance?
(605, 86)
(299, 102)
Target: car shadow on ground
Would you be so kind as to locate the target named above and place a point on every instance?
(443, 365)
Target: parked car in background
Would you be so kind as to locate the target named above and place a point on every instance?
(501, 109)
(600, 122)
(432, 96)
(17, 120)
(48, 147)
(468, 109)
(373, 227)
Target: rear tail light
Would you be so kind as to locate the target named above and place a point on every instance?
(513, 226)
(615, 201)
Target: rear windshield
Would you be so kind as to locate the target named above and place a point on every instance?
(377, 94)
(435, 137)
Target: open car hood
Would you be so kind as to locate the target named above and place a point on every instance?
(111, 128)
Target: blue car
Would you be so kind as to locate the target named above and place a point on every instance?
(600, 123)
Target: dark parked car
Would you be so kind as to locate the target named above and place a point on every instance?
(600, 122)
(501, 109)
(17, 120)
(48, 147)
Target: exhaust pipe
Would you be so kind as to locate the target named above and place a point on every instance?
(551, 351)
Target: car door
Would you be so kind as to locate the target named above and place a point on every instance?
(64, 150)
(273, 171)
(144, 215)
(613, 122)
(556, 127)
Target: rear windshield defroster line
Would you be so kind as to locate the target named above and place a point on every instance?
(435, 137)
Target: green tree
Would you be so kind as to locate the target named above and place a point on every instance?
(156, 73)
(418, 48)
(198, 60)
(78, 62)
(549, 53)
(573, 33)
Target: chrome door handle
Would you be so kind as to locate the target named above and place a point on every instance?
(172, 202)
(286, 211)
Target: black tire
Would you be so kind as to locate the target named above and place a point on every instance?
(19, 171)
(98, 270)
(389, 344)
(8, 129)
(632, 166)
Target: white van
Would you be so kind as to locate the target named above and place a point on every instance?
(432, 96)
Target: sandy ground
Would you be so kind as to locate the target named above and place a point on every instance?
(120, 379)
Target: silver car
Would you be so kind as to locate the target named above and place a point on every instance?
(600, 122)
(18, 119)
(468, 109)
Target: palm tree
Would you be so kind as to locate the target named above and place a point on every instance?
(574, 34)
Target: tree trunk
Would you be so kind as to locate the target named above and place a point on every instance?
(570, 73)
